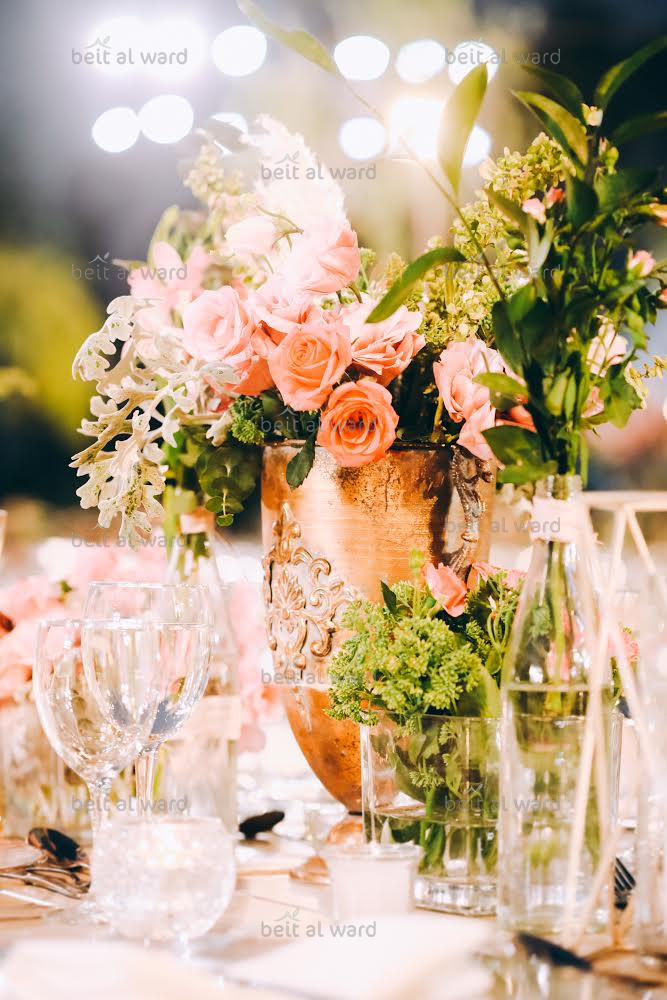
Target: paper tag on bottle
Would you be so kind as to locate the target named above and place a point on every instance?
(217, 716)
(555, 520)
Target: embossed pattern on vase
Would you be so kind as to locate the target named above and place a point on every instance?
(336, 537)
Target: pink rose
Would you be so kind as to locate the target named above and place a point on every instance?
(218, 326)
(641, 263)
(606, 349)
(309, 361)
(447, 588)
(359, 423)
(383, 349)
(535, 208)
(280, 311)
(31, 597)
(480, 572)
(325, 259)
(472, 436)
(518, 416)
(454, 374)
(594, 404)
(170, 280)
(255, 234)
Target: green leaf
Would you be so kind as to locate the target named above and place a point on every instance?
(506, 337)
(514, 445)
(491, 695)
(503, 385)
(560, 124)
(509, 209)
(613, 190)
(456, 123)
(402, 287)
(521, 303)
(561, 88)
(389, 597)
(299, 466)
(300, 41)
(581, 201)
(616, 76)
(519, 475)
(636, 127)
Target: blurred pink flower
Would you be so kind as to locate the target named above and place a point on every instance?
(31, 597)
(325, 258)
(383, 349)
(594, 404)
(659, 213)
(480, 572)
(553, 196)
(447, 588)
(606, 349)
(535, 208)
(260, 700)
(641, 263)
(255, 234)
(182, 279)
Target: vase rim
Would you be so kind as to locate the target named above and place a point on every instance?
(396, 446)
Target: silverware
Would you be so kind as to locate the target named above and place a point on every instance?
(551, 952)
(624, 883)
(73, 891)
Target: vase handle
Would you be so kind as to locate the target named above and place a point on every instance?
(467, 473)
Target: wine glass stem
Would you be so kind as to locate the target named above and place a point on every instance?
(145, 774)
(99, 793)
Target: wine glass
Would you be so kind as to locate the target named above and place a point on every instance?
(96, 744)
(161, 602)
(182, 652)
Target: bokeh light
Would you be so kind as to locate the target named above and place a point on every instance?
(414, 122)
(361, 57)
(239, 51)
(116, 130)
(362, 138)
(478, 148)
(420, 61)
(166, 118)
(468, 55)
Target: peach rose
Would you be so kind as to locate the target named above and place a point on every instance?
(455, 372)
(383, 349)
(359, 423)
(479, 573)
(278, 311)
(325, 258)
(255, 234)
(447, 588)
(218, 327)
(518, 416)
(309, 361)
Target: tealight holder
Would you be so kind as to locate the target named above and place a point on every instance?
(372, 879)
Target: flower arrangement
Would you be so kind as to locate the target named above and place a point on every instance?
(250, 323)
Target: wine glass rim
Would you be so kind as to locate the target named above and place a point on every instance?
(126, 623)
(150, 585)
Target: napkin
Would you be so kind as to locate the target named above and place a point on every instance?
(418, 955)
(66, 968)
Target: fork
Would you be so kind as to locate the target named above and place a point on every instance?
(624, 883)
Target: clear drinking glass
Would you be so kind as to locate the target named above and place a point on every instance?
(73, 690)
(169, 880)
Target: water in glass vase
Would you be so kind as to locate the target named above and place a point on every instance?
(545, 692)
(543, 734)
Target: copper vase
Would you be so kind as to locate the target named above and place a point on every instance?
(334, 539)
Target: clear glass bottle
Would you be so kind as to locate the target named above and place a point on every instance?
(200, 763)
(545, 694)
